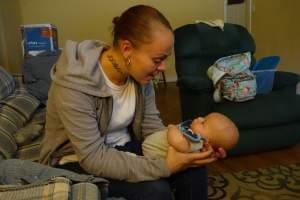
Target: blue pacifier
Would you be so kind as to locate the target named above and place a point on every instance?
(184, 127)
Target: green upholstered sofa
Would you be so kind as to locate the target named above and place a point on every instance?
(270, 121)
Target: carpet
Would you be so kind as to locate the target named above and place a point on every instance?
(280, 182)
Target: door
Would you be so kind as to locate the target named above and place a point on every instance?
(238, 12)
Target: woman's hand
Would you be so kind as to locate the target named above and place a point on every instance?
(178, 161)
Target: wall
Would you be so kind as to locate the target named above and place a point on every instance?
(3, 57)
(91, 19)
(10, 37)
(275, 27)
(274, 24)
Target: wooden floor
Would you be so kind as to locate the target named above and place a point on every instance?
(168, 102)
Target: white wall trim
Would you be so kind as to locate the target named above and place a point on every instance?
(251, 10)
(225, 10)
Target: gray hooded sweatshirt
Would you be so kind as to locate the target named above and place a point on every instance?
(78, 113)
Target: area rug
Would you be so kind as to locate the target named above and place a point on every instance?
(280, 182)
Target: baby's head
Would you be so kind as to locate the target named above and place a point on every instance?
(218, 129)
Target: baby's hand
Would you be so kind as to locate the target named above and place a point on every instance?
(206, 147)
(218, 153)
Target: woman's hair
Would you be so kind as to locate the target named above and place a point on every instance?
(135, 24)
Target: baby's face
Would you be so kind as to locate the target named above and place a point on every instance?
(198, 125)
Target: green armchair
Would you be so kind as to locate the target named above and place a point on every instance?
(270, 121)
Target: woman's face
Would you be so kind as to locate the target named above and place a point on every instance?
(149, 59)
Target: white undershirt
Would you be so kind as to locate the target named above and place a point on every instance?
(123, 111)
(122, 115)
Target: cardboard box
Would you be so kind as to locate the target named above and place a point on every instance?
(37, 38)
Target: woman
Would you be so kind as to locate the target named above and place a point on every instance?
(101, 106)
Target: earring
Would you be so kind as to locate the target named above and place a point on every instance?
(128, 62)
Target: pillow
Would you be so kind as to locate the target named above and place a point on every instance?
(7, 83)
(10, 122)
(264, 71)
(21, 101)
(15, 111)
(36, 70)
(28, 133)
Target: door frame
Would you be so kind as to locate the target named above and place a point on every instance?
(248, 11)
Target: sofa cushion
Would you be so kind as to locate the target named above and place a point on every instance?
(30, 151)
(285, 79)
(266, 139)
(276, 108)
(7, 83)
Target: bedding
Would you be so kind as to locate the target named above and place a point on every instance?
(16, 110)
(23, 179)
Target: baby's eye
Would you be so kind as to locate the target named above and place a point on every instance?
(157, 61)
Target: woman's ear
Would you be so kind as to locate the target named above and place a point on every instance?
(126, 48)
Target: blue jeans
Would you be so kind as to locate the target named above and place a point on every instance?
(191, 184)
(187, 185)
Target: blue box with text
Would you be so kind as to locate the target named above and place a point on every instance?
(39, 38)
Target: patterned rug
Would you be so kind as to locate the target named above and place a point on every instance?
(274, 183)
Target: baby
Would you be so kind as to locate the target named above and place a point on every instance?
(216, 129)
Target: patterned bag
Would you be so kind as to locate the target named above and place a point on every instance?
(232, 78)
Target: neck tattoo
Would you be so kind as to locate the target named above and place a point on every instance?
(115, 65)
